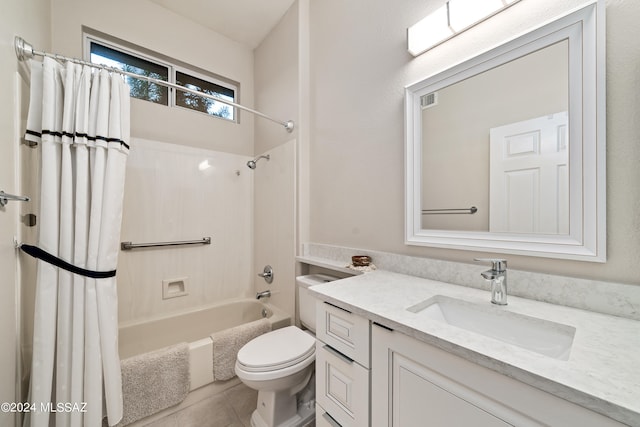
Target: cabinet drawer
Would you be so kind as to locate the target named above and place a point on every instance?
(342, 387)
(346, 332)
(323, 419)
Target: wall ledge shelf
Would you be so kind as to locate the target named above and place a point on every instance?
(328, 264)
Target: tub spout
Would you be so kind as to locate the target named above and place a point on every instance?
(263, 294)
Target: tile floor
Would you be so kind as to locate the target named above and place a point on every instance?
(231, 408)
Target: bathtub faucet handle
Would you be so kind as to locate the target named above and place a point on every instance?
(267, 274)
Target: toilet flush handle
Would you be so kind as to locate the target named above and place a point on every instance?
(267, 274)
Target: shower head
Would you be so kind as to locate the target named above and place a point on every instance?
(252, 163)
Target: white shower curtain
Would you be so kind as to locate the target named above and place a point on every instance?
(81, 118)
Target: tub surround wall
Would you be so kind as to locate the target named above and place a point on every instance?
(172, 193)
(274, 224)
(603, 297)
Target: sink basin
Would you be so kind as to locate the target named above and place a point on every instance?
(541, 336)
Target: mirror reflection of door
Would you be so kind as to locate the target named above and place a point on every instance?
(529, 176)
(455, 154)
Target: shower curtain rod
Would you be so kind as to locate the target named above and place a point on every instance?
(25, 51)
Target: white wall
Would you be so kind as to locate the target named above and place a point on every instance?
(276, 81)
(153, 27)
(359, 67)
(30, 20)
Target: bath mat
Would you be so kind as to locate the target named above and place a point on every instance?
(154, 381)
(227, 343)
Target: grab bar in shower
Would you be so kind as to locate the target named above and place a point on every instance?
(470, 210)
(125, 246)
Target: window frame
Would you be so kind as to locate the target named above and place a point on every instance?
(139, 55)
(173, 67)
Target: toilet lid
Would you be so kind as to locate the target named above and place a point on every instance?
(276, 350)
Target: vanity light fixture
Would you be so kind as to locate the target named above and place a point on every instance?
(454, 17)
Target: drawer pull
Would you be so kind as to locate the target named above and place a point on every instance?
(329, 419)
(383, 327)
(339, 308)
(337, 354)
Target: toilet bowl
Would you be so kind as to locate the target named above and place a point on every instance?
(280, 364)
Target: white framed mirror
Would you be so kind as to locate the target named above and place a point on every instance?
(505, 152)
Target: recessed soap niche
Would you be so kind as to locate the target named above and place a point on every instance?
(172, 288)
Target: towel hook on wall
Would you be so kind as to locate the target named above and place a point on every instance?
(4, 198)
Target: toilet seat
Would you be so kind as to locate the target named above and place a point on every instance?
(276, 350)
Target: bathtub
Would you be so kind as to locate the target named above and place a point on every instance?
(194, 327)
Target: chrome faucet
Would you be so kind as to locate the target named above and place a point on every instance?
(498, 278)
(263, 294)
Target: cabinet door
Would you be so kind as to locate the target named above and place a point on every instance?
(417, 400)
(405, 392)
(416, 384)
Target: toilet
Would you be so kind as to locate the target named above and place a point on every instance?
(280, 365)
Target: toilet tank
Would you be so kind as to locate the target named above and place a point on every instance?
(307, 303)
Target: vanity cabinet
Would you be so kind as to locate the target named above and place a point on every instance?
(342, 367)
(417, 384)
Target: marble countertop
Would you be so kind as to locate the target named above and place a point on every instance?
(603, 369)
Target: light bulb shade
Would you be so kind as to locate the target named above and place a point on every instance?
(430, 31)
(465, 13)
(452, 18)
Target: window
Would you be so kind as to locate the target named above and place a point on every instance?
(139, 88)
(205, 105)
(133, 61)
